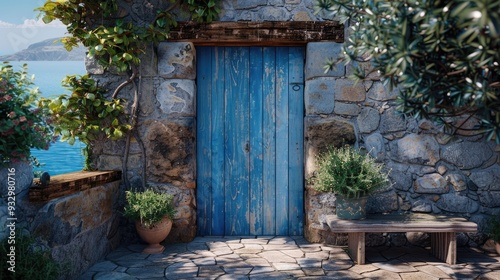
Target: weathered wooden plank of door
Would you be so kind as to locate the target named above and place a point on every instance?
(210, 142)
(295, 141)
(218, 139)
(203, 142)
(256, 140)
(269, 141)
(282, 125)
(237, 141)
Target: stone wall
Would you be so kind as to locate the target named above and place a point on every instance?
(167, 128)
(431, 172)
(77, 230)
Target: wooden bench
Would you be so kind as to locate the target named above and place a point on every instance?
(442, 229)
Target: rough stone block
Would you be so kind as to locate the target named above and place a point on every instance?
(148, 101)
(458, 181)
(455, 203)
(421, 206)
(382, 202)
(489, 198)
(177, 60)
(421, 239)
(414, 148)
(347, 109)
(319, 96)
(392, 121)
(431, 184)
(316, 55)
(401, 181)
(303, 15)
(467, 155)
(375, 145)
(272, 14)
(92, 66)
(108, 162)
(380, 92)
(346, 90)
(368, 120)
(112, 162)
(248, 4)
(486, 180)
(482, 180)
(170, 150)
(177, 97)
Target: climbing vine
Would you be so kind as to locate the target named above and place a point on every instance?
(116, 42)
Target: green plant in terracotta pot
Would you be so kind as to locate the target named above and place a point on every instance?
(352, 176)
(153, 213)
(494, 233)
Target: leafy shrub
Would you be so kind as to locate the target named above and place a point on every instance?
(85, 113)
(347, 172)
(29, 263)
(23, 125)
(443, 55)
(149, 206)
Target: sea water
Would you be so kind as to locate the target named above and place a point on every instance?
(61, 157)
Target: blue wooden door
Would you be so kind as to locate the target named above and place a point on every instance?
(250, 114)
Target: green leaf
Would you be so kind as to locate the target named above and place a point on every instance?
(127, 56)
(117, 134)
(90, 96)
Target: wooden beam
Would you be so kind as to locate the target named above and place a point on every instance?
(66, 184)
(250, 33)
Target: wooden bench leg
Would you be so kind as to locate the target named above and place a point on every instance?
(357, 246)
(444, 246)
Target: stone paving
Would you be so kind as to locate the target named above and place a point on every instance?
(287, 258)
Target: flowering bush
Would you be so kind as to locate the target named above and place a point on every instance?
(23, 125)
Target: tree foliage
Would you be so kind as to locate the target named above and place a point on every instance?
(443, 55)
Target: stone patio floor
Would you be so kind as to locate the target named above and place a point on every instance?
(280, 257)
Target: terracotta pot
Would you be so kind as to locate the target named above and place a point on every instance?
(351, 208)
(154, 235)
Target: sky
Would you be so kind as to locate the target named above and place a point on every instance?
(19, 26)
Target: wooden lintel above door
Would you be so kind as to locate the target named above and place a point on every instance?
(251, 33)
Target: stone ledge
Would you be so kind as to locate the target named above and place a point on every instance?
(69, 183)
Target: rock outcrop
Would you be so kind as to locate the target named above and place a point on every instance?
(47, 50)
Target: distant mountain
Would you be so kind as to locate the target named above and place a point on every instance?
(46, 50)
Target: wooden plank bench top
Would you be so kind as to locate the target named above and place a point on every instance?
(402, 223)
(443, 231)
